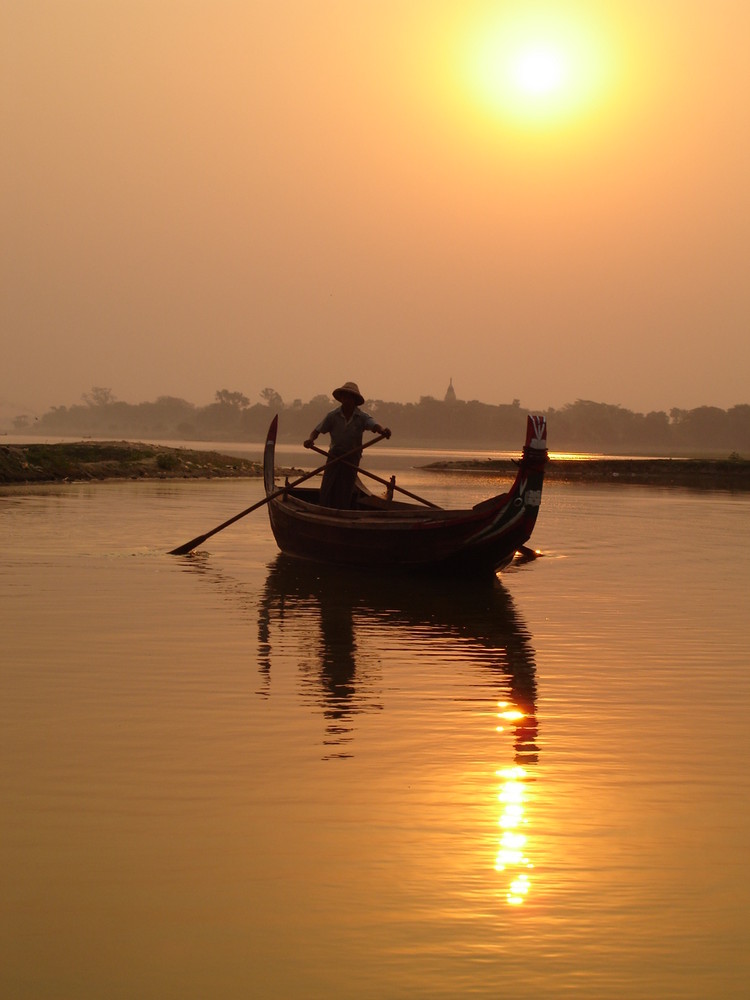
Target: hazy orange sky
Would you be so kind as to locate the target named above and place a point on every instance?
(542, 201)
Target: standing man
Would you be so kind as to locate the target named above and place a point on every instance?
(346, 426)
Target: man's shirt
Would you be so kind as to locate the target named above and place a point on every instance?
(346, 435)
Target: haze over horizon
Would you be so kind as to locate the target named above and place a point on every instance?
(542, 201)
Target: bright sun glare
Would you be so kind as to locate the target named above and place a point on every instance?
(537, 70)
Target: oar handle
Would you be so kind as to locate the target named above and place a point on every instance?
(342, 458)
(364, 472)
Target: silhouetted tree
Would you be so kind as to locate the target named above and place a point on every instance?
(738, 430)
(234, 400)
(99, 396)
(703, 427)
(272, 398)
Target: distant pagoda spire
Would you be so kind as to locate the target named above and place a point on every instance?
(450, 393)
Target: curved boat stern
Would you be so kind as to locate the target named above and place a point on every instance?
(269, 456)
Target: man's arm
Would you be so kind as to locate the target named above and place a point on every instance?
(321, 428)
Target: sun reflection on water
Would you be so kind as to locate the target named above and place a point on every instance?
(511, 858)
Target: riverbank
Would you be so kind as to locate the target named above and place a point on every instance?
(695, 473)
(99, 460)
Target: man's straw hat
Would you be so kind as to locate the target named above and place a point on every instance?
(350, 388)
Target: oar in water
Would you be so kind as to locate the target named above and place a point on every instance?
(183, 550)
(364, 472)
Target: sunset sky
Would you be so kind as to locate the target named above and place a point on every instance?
(546, 202)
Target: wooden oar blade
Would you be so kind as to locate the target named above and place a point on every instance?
(182, 550)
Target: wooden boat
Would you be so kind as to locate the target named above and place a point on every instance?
(392, 534)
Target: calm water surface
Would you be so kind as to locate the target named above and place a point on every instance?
(227, 775)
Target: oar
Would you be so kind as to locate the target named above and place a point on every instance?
(364, 472)
(182, 550)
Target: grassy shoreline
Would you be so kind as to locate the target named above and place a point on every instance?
(84, 461)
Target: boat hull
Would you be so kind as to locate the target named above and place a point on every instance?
(480, 540)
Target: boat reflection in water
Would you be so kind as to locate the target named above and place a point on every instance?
(327, 610)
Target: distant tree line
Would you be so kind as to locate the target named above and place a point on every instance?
(580, 426)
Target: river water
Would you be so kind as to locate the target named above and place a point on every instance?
(228, 776)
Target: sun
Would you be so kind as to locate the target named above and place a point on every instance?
(537, 70)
